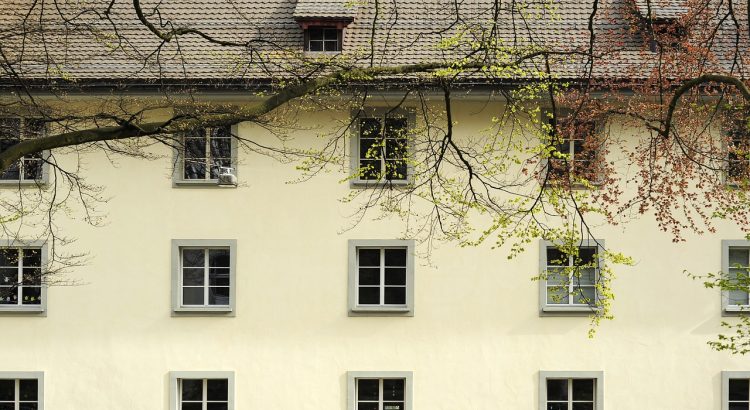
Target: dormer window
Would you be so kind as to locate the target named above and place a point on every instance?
(318, 38)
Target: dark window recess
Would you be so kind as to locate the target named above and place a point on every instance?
(12, 131)
(323, 39)
(739, 149)
(575, 150)
(667, 34)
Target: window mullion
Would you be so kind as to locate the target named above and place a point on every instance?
(20, 277)
(208, 153)
(570, 394)
(205, 277)
(17, 394)
(382, 276)
(204, 396)
(380, 394)
(571, 289)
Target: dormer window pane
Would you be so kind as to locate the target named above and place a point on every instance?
(323, 39)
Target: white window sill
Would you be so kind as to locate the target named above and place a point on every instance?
(381, 311)
(374, 183)
(577, 310)
(203, 310)
(13, 309)
(201, 183)
(25, 182)
(734, 310)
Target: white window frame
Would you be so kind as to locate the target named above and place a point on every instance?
(351, 385)
(16, 376)
(355, 309)
(381, 113)
(726, 308)
(177, 307)
(178, 176)
(546, 309)
(175, 386)
(41, 308)
(597, 376)
(21, 181)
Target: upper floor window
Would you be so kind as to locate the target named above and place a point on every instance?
(202, 390)
(21, 390)
(381, 149)
(381, 277)
(203, 275)
(205, 154)
(735, 390)
(738, 153)
(30, 167)
(575, 151)
(735, 265)
(571, 391)
(569, 281)
(379, 391)
(21, 288)
(318, 38)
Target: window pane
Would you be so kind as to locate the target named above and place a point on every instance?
(369, 257)
(8, 276)
(7, 390)
(218, 276)
(8, 257)
(195, 147)
(193, 258)
(369, 128)
(29, 389)
(586, 277)
(737, 297)
(7, 406)
(192, 296)
(584, 295)
(316, 46)
(367, 406)
(192, 406)
(396, 169)
(28, 406)
(32, 295)
(367, 389)
(217, 389)
(315, 33)
(739, 406)
(586, 256)
(557, 389)
(557, 406)
(583, 406)
(395, 148)
(8, 295)
(557, 277)
(395, 276)
(395, 296)
(393, 406)
(369, 296)
(370, 148)
(218, 258)
(739, 389)
(557, 295)
(10, 128)
(222, 132)
(555, 257)
(193, 276)
(738, 257)
(32, 169)
(218, 296)
(393, 389)
(221, 147)
(13, 172)
(192, 389)
(395, 257)
(32, 257)
(395, 127)
(583, 389)
(331, 46)
(32, 276)
(217, 406)
(195, 169)
(370, 169)
(369, 276)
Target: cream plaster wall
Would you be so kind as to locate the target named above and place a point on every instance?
(476, 340)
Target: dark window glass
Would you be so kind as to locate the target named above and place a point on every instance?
(583, 406)
(192, 296)
(7, 390)
(393, 389)
(369, 257)
(369, 276)
(367, 389)
(583, 389)
(739, 389)
(206, 151)
(557, 389)
(29, 389)
(217, 406)
(557, 406)
(395, 257)
(28, 406)
(217, 389)
(395, 276)
(218, 296)
(367, 406)
(323, 39)
(192, 389)
(369, 296)
(393, 406)
(192, 406)
(395, 296)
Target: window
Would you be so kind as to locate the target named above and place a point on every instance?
(381, 277)
(575, 151)
(569, 282)
(571, 390)
(203, 275)
(379, 390)
(202, 391)
(738, 155)
(735, 390)
(21, 391)
(323, 39)
(204, 154)
(735, 265)
(28, 169)
(380, 154)
(21, 288)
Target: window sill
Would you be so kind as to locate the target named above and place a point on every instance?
(557, 310)
(381, 311)
(23, 183)
(203, 311)
(202, 183)
(367, 183)
(23, 310)
(736, 310)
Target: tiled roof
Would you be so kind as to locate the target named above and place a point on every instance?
(406, 32)
(325, 9)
